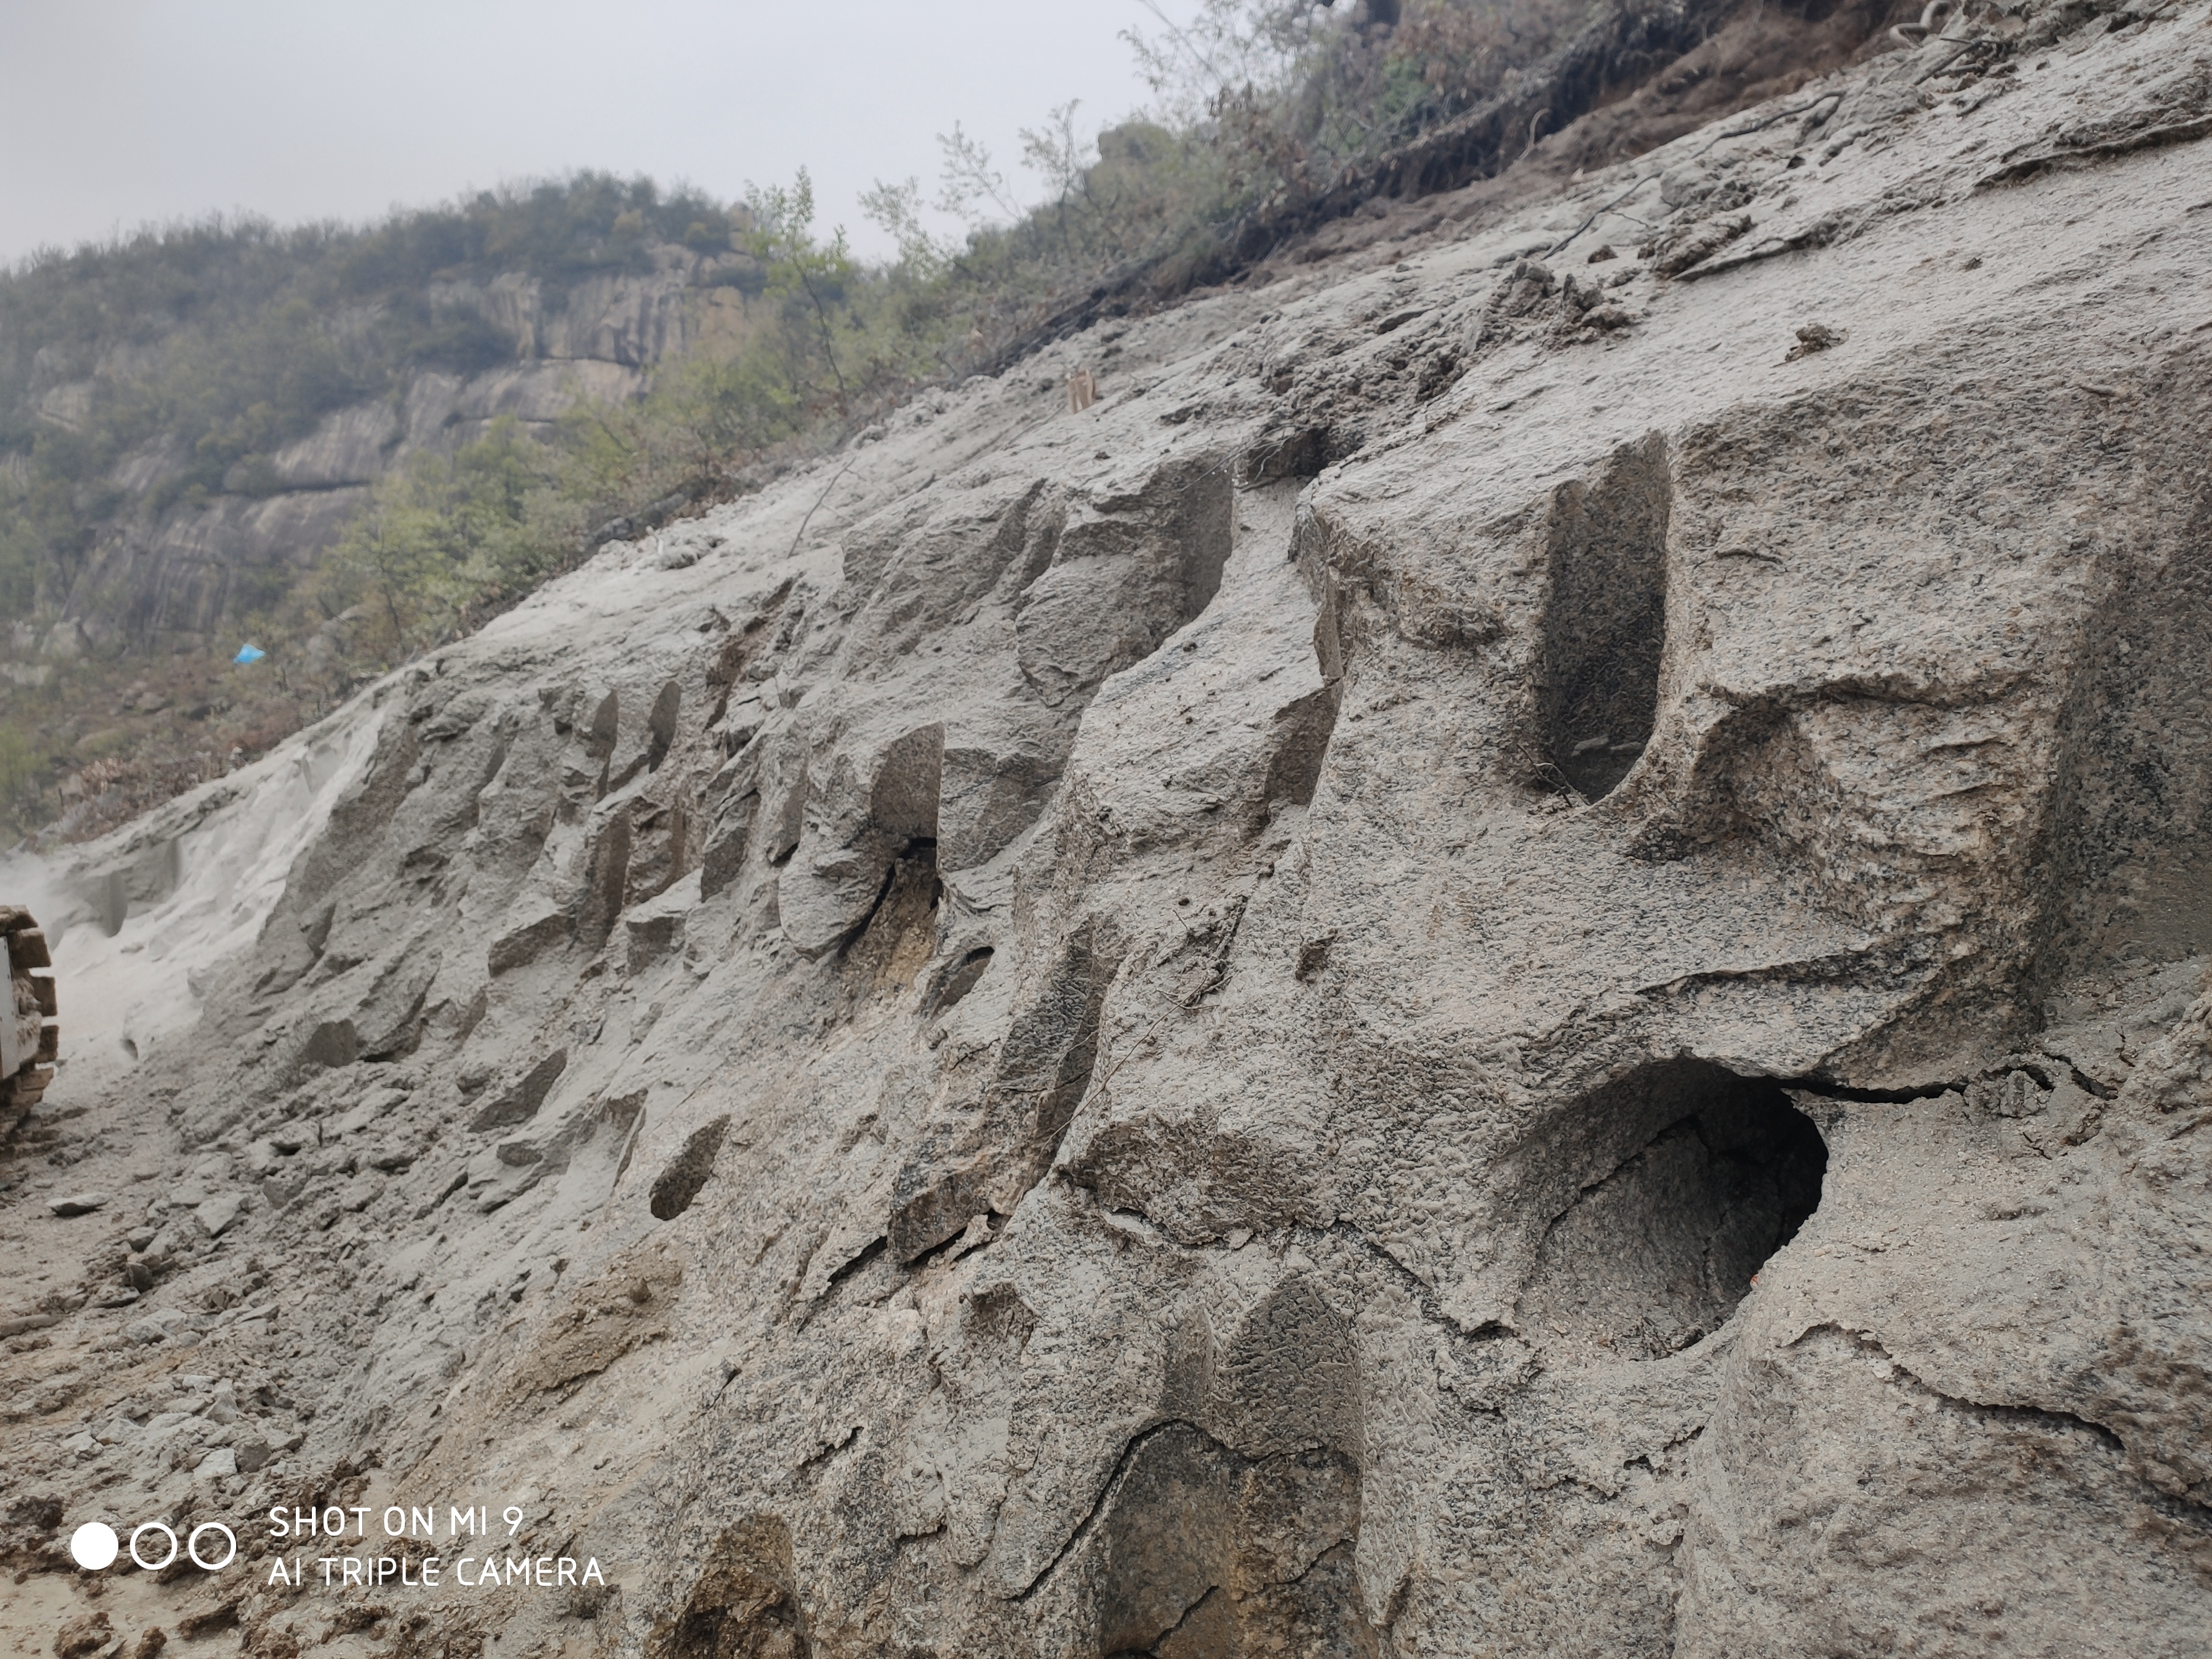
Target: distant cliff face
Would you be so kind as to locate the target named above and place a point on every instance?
(1511, 959)
(168, 577)
(191, 421)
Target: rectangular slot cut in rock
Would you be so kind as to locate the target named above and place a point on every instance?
(1605, 621)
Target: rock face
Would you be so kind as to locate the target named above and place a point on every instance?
(1509, 960)
(172, 577)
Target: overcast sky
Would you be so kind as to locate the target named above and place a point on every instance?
(117, 113)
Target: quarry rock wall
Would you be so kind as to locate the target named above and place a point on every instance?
(1511, 960)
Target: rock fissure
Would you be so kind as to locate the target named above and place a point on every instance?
(1150, 1649)
(1097, 1507)
(1423, 1293)
(2044, 1418)
(1828, 1090)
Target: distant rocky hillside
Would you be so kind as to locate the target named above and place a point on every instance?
(172, 577)
(203, 474)
(190, 420)
(1509, 960)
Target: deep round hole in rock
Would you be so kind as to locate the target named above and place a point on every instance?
(1654, 1255)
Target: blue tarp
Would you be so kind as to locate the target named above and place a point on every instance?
(249, 653)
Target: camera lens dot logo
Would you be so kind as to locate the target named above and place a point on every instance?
(137, 1533)
(229, 1537)
(94, 1545)
(211, 1546)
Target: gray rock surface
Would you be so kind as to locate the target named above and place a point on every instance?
(1491, 966)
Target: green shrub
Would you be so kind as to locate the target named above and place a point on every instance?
(442, 534)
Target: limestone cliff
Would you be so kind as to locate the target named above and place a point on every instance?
(168, 575)
(1511, 960)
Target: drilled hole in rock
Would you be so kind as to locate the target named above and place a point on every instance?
(1121, 585)
(601, 902)
(1295, 452)
(1204, 1552)
(1237, 1538)
(661, 725)
(1656, 1254)
(1042, 1071)
(520, 1104)
(894, 943)
(961, 979)
(745, 1602)
(599, 730)
(332, 1043)
(1605, 623)
(680, 1181)
(1303, 730)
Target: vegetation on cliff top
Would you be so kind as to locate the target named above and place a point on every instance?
(200, 350)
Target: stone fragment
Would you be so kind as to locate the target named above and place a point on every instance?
(372, 1106)
(1813, 337)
